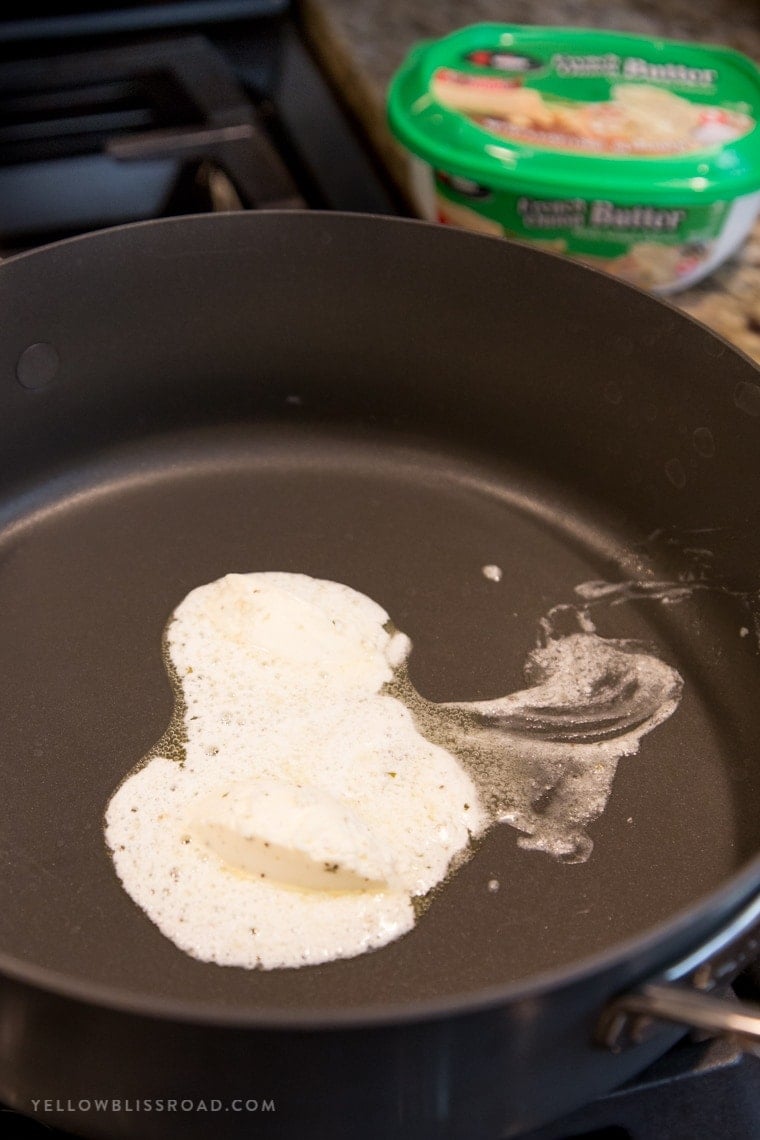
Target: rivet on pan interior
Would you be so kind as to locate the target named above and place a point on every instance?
(675, 472)
(37, 366)
(747, 397)
(704, 443)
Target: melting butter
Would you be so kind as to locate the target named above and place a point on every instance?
(320, 797)
(293, 741)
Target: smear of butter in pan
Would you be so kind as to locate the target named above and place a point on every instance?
(317, 797)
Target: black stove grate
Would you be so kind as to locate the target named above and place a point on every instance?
(106, 136)
(145, 126)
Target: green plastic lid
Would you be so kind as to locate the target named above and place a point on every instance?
(570, 111)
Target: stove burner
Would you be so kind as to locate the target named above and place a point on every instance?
(143, 127)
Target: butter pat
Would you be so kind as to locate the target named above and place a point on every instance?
(298, 836)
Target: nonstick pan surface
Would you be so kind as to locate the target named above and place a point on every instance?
(334, 396)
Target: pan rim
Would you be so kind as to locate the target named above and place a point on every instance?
(713, 910)
(314, 216)
(740, 890)
(347, 217)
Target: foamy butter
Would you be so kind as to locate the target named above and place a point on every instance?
(309, 809)
(319, 798)
(544, 758)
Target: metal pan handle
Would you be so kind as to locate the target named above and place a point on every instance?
(632, 1019)
(681, 995)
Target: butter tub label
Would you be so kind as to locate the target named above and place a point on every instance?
(596, 225)
(599, 219)
(611, 66)
(649, 245)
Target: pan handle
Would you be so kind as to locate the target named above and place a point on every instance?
(632, 1019)
(680, 994)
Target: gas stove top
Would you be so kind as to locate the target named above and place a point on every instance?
(113, 116)
(119, 113)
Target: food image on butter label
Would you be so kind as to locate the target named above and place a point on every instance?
(636, 119)
(651, 265)
(635, 156)
(456, 214)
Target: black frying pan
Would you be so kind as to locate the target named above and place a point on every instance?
(394, 406)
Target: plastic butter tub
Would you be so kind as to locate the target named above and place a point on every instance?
(638, 156)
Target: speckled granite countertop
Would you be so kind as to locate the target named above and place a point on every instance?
(362, 42)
